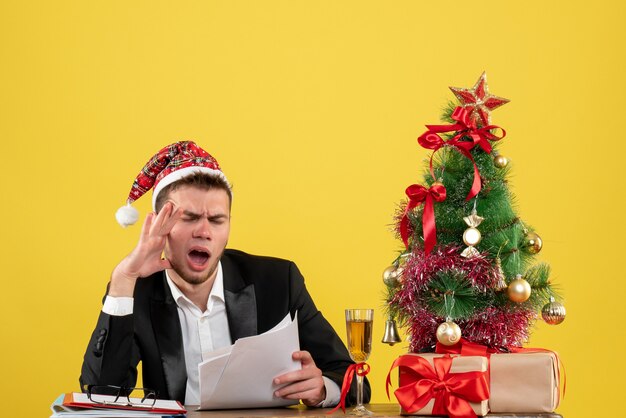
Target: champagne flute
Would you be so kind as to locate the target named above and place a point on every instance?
(359, 328)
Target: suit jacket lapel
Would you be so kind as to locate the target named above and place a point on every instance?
(168, 334)
(240, 302)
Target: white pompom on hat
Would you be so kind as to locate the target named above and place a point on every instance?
(170, 164)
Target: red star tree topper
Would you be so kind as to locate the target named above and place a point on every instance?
(479, 100)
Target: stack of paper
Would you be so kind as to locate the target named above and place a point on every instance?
(241, 376)
(77, 405)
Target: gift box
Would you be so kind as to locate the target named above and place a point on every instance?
(424, 385)
(524, 382)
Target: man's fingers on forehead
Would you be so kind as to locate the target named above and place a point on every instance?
(163, 212)
(173, 218)
(177, 210)
(170, 203)
(169, 211)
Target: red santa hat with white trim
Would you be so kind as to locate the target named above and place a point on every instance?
(170, 164)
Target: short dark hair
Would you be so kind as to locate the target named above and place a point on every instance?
(203, 181)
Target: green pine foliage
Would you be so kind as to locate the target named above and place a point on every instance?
(503, 233)
(449, 294)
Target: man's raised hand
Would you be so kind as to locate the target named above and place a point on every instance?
(145, 259)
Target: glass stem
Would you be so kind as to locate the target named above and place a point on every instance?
(359, 390)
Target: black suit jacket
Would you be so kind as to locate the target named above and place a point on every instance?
(259, 291)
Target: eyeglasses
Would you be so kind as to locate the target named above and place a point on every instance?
(121, 396)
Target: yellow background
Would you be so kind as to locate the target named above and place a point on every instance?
(312, 109)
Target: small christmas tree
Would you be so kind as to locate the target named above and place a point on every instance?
(469, 265)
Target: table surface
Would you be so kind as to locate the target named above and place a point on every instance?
(380, 410)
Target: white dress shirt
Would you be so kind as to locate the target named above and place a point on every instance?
(203, 332)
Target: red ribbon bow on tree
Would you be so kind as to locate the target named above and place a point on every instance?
(465, 127)
(418, 194)
(452, 391)
(361, 369)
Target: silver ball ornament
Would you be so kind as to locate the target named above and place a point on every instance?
(553, 312)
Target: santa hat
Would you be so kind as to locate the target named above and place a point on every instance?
(170, 164)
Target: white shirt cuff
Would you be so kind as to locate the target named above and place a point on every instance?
(118, 306)
(333, 394)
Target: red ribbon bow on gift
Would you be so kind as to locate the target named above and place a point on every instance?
(361, 369)
(469, 348)
(452, 391)
(465, 127)
(418, 194)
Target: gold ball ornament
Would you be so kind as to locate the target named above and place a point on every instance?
(391, 276)
(448, 333)
(471, 236)
(388, 273)
(553, 312)
(519, 289)
(533, 243)
(500, 161)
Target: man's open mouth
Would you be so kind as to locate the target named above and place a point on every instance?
(198, 257)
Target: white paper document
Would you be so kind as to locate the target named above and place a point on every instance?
(241, 376)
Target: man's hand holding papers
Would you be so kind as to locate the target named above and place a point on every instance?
(306, 384)
(242, 375)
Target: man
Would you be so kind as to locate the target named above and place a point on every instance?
(166, 312)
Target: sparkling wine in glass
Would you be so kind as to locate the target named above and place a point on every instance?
(359, 324)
